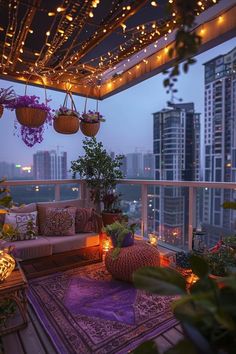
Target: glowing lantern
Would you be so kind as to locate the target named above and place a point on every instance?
(153, 239)
(7, 265)
(106, 245)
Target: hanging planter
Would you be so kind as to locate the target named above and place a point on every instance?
(6, 96)
(32, 115)
(66, 120)
(90, 121)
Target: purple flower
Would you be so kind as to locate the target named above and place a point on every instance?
(30, 136)
(92, 117)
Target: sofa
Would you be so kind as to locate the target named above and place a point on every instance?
(44, 245)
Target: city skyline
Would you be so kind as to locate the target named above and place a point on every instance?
(124, 111)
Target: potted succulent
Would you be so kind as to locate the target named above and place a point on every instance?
(90, 123)
(32, 115)
(6, 96)
(66, 120)
(99, 169)
(121, 234)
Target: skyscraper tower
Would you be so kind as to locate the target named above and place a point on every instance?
(50, 165)
(177, 151)
(220, 142)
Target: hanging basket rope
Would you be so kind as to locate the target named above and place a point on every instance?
(29, 116)
(67, 120)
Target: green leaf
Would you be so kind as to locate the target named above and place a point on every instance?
(166, 82)
(199, 266)
(148, 347)
(163, 281)
(183, 346)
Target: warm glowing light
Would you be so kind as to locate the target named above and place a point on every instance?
(48, 33)
(69, 17)
(221, 19)
(36, 54)
(202, 31)
(154, 3)
(31, 31)
(153, 239)
(60, 31)
(61, 9)
(106, 245)
(91, 14)
(7, 264)
(51, 14)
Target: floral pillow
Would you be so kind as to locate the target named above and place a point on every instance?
(60, 222)
(84, 220)
(21, 226)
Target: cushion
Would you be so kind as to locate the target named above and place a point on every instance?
(60, 222)
(84, 220)
(43, 206)
(70, 243)
(24, 224)
(28, 208)
(30, 249)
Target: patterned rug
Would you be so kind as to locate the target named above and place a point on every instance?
(84, 311)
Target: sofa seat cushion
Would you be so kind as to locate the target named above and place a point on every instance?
(68, 243)
(28, 249)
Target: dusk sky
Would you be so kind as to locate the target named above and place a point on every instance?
(128, 114)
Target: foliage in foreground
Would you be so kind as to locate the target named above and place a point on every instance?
(206, 311)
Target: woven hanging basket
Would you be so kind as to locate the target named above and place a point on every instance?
(66, 124)
(89, 129)
(1, 110)
(31, 117)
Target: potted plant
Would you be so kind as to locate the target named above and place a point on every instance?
(6, 96)
(99, 169)
(66, 120)
(206, 312)
(121, 234)
(112, 211)
(90, 123)
(32, 115)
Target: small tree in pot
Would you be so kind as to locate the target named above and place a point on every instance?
(100, 171)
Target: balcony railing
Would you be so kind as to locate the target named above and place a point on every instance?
(171, 209)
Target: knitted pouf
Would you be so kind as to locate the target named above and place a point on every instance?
(131, 258)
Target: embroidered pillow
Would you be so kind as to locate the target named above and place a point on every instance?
(23, 226)
(60, 222)
(84, 220)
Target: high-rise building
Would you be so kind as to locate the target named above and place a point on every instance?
(148, 166)
(177, 157)
(134, 164)
(50, 165)
(219, 143)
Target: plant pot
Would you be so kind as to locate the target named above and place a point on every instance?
(1, 110)
(127, 241)
(31, 117)
(110, 218)
(89, 129)
(66, 124)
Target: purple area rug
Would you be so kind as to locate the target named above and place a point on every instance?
(84, 311)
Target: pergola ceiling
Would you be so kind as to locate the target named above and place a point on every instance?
(93, 47)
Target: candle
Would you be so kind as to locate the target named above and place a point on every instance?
(153, 239)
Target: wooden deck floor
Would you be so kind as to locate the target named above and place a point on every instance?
(34, 340)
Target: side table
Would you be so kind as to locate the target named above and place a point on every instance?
(14, 288)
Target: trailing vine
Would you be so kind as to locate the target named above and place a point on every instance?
(187, 41)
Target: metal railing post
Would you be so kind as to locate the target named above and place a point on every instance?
(144, 210)
(57, 194)
(191, 215)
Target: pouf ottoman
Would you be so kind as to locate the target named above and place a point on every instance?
(141, 254)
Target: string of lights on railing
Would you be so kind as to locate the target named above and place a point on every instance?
(68, 21)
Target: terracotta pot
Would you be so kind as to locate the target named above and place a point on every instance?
(1, 110)
(109, 218)
(31, 117)
(66, 124)
(89, 129)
